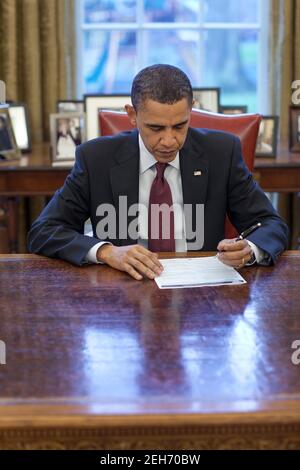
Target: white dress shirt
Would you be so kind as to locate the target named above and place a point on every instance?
(146, 178)
(173, 176)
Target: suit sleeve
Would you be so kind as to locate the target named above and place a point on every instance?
(58, 231)
(248, 204)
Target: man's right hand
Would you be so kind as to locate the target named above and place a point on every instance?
(134, 259)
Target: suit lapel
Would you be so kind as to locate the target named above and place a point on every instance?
(194, 165)
(124, 178)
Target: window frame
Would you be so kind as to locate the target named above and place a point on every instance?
(139, 26)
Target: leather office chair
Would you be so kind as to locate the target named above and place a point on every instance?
(244, 126)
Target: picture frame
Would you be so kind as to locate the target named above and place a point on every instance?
(207, 99)
(92, 104)
(8, 145)
(266, 145)
(294, 132)
(20, 123)
(70, 106)
(67, 130)
(234, 109)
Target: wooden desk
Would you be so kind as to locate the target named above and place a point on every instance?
(98, 360)
(280, 174)
(33, 175)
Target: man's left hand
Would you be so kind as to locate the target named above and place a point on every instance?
(235, 253)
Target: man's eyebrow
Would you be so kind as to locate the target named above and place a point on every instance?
(181, 123)
(149, 124)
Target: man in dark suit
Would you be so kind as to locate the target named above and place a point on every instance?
(163, 162)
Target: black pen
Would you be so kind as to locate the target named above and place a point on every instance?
(247, 232)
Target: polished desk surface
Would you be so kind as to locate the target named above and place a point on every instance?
(280, 174)
(284, 158)
(38, 159)
(33, 173)
(97, 359)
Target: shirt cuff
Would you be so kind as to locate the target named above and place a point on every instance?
(91, 256)
(259, 254)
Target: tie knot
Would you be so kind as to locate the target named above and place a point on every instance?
(160, 169)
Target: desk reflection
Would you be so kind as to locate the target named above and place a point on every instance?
(160, 343)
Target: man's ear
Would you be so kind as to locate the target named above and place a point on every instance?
(131, 114)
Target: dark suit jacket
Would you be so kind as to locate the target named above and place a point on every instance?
(108, 167)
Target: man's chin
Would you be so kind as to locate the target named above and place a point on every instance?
(165, 157)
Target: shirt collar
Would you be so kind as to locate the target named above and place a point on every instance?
(147, 160)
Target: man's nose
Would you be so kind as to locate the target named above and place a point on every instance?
(168, 139)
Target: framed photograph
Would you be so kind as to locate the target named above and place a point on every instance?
(19, 119)
(266, 145)
(8, 145)
(207, 99)
(295, 128)
(92, 104)
(234, 109)
(68, 106)
(67, 130)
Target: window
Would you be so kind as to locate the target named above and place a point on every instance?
(218, 43)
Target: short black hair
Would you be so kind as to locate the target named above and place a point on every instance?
(162, 83)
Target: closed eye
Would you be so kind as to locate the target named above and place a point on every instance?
(156, 128)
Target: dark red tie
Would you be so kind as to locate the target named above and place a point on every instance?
(160, 193)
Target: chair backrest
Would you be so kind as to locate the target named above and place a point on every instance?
(244, 126)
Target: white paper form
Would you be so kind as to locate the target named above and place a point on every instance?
(196, 272)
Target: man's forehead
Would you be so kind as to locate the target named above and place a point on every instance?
(164, 112)
(149, 104)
